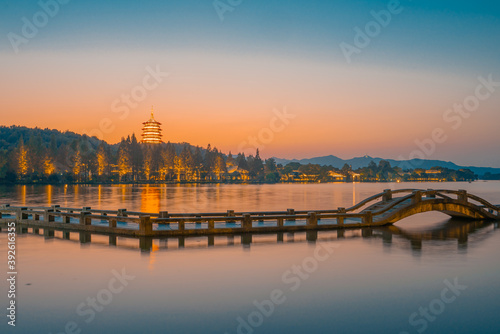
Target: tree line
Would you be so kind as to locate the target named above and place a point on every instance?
(50, 156)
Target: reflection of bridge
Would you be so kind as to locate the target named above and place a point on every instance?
(382, 209)
(458, 231)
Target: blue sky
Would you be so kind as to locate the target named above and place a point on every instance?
(426, 33)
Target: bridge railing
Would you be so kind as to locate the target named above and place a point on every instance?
(461, 196)
(244, 220)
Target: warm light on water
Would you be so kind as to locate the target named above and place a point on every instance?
(356, 281)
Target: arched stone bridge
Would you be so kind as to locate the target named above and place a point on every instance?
(391, 206)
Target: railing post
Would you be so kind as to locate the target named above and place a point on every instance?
(198, 222)
(211, 224)
(182, 225)
(247, 221)
(47, 217)
(290, 212)
(84, 219)
(20, 214)
(55, 208)
(368, 218)
(122, 213)
(112, 222)
(340, 220)
(462, 196)
(387, 195)
(280, 222)
(417, 197)
(431, 193)
(230, 213)
(164, 215)
(3, 206)
(67, 219)
(146, 226)
(312, 219)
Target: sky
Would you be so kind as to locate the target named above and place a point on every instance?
(296, 79)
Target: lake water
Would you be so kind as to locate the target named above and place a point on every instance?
(426, 273)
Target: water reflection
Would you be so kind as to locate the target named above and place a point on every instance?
(151, 199)
(453, 232)
(217, 197)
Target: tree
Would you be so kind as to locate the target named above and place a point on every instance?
(178, 167)
(198, 162)
(220, 166)
(22, 159)
(147, 162)
(209, 160)
(256, 165)
(230, 161)
(187, 161)
(102, 160)
(242, 161)
(167, 161)
(77, 164)
(124, 164)
(270, 165)
(135, 154)
(48, 165)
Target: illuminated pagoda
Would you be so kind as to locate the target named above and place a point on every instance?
(151, 131)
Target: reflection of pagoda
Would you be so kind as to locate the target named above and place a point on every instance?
(151, 131)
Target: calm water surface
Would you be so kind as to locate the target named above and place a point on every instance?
(386, 280)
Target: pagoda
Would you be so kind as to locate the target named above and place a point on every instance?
(151, 131)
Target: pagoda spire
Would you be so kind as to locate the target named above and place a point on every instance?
(152, 116)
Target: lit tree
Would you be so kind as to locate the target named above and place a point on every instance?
(166, 164)
(148, 162)
(135, 155)
(219, 166)
(77, 163)
(178, 167)
(197, 162)
(102, 160)
(48, 165)
(22, 159)
(124, 165)
(187, 161)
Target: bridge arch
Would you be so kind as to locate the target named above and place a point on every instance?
(390, 210)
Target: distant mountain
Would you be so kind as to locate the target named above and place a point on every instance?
(360, 162)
